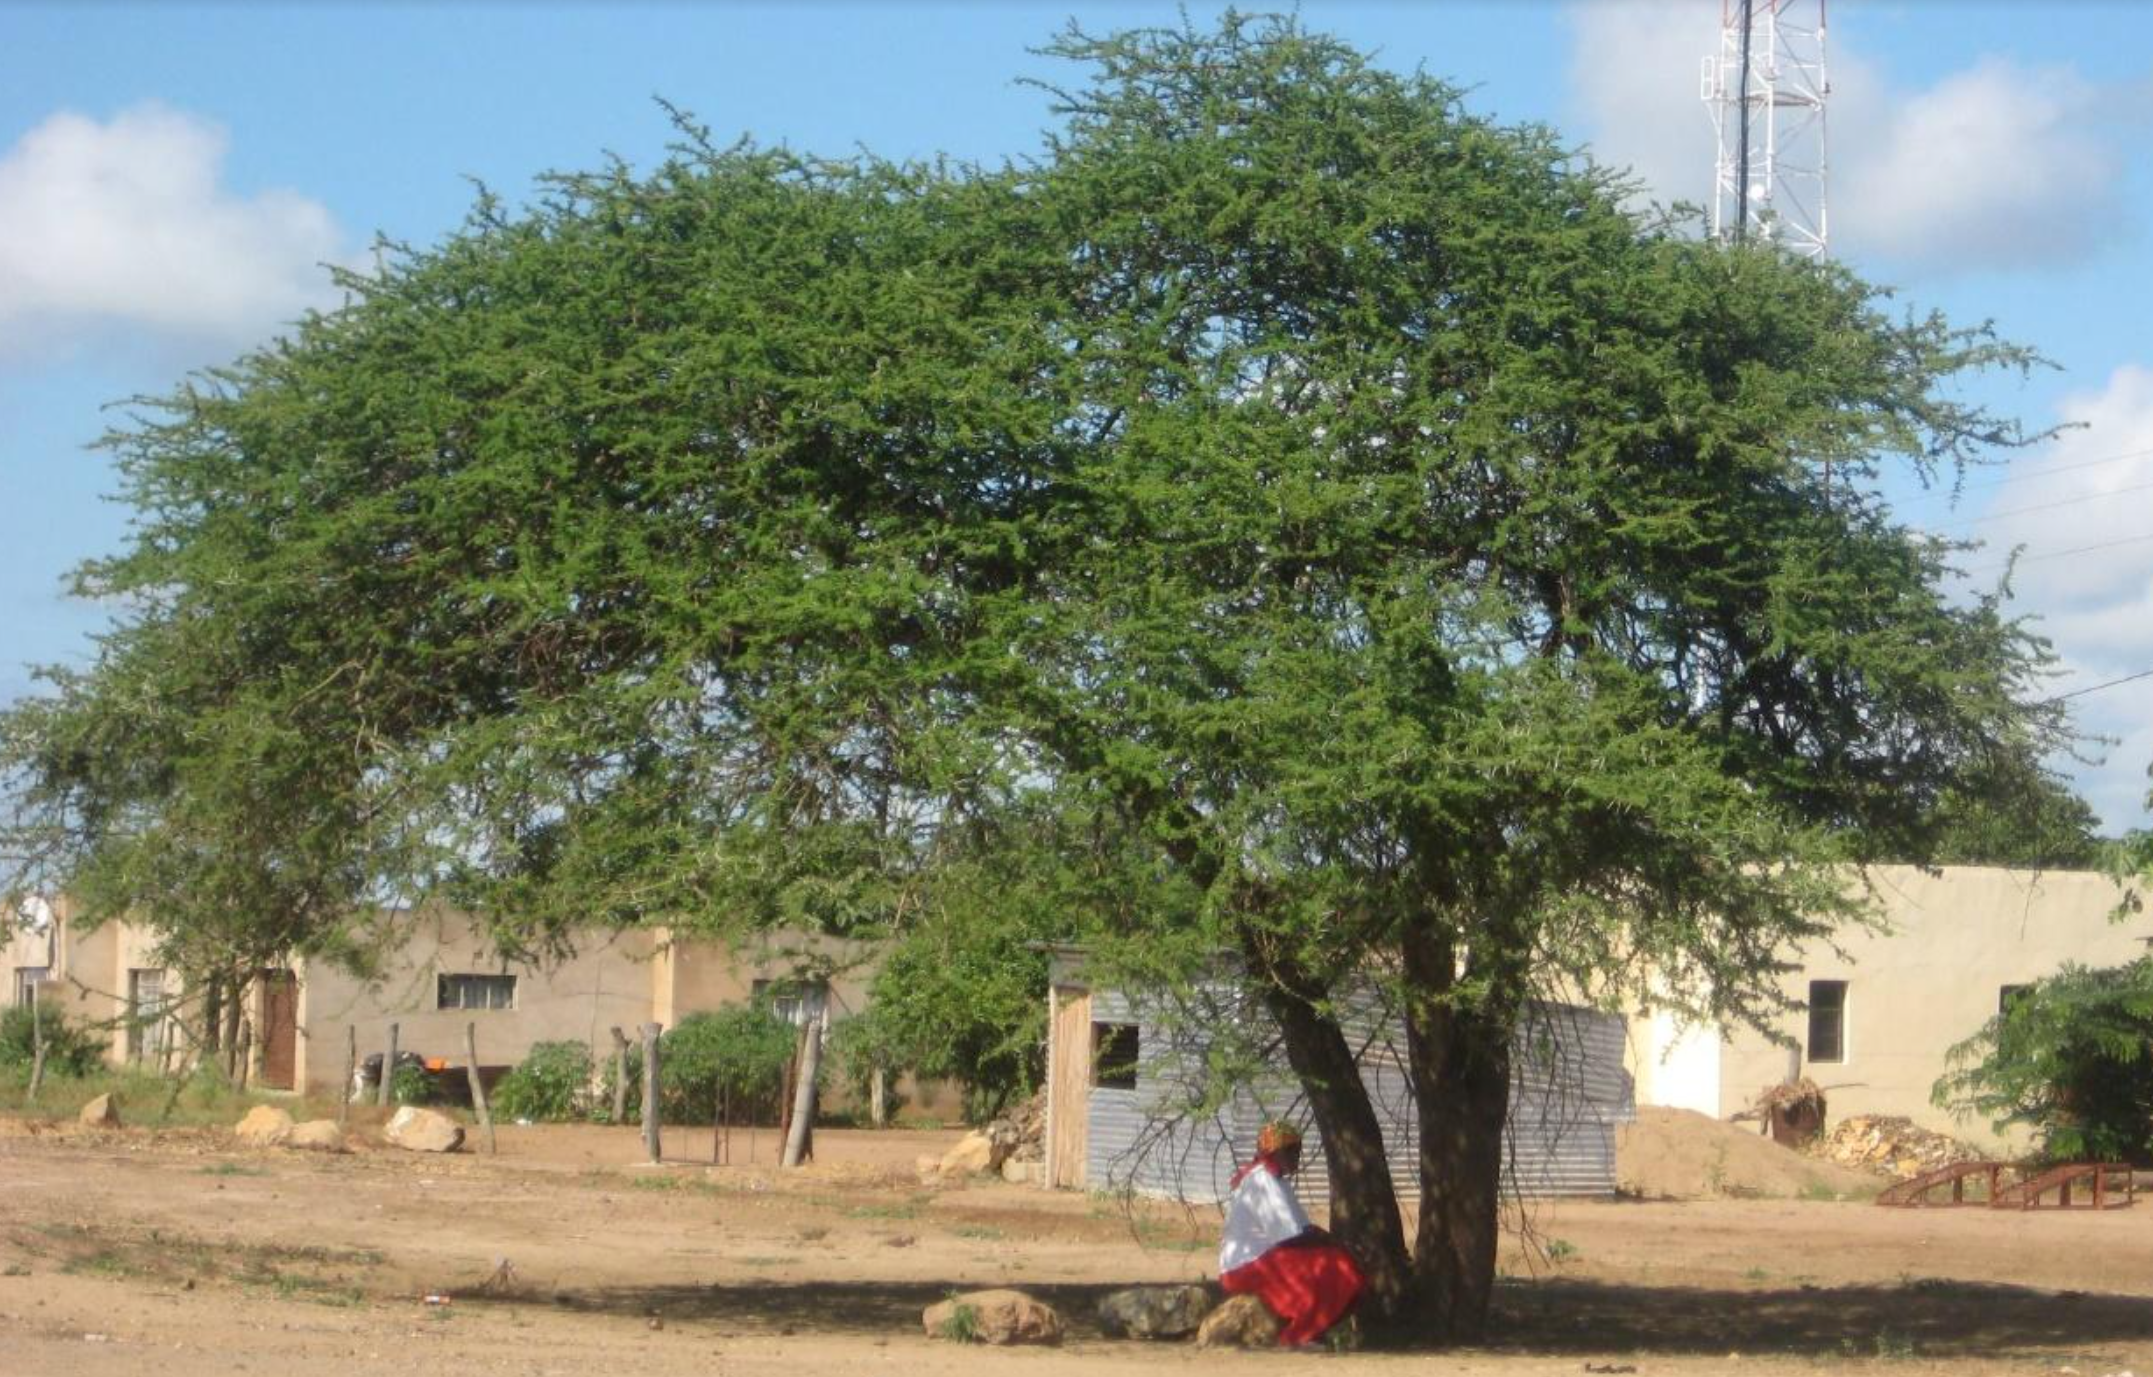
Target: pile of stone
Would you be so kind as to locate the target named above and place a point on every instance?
(1012, 1147)
(1892, 1144)
(1158, 1313)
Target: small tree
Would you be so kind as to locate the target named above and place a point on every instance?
(2071, 1058)
(552, 1083)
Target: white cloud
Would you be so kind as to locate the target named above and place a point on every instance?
(1996, 166)
(1999, 166)
(2092, 488)
(128, 224)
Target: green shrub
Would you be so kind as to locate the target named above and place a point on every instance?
(411, 1085)
(2071, 1057)
(551, 1085)
(741, 1049)
(69, 1050)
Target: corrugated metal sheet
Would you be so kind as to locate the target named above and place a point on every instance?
(1178, 1134)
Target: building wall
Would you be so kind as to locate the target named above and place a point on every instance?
(607, 983)
(1953, 940)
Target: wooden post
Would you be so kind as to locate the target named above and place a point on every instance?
(717, 1126)
(478, 1087)
(878, 1097)
(650, 1089)
(803, 1094)
(351, 1073)
(620, 1076)
(388, 1069)
(37, 1045)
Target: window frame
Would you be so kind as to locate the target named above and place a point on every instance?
(463, 981)
(1835, 1009)
(1106, 1037)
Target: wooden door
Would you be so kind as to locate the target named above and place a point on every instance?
(1069, 1085)
(280, 1030)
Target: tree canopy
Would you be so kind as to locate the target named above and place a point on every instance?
(1373, 549)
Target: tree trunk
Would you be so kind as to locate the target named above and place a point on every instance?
(1364, 1205)
(1460, 1066)
(800, 1133)
(651, 1087)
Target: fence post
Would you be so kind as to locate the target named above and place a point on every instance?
(650, 1089)
(351, 1073)
(37, 1044)
(388, 1070)
(800, 1133)
(478, 1087)
(620, 1076)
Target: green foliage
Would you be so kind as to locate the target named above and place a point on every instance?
(1293, 515)
(70, 1049)
(2072, 1059)
(741, 1049)
(552, 1084)
(411, 1085)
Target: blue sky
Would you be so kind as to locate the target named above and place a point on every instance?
(172, 175)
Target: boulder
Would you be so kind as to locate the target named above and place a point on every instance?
(992, 1317)
(980, 1152)
(1242, 1322)
(102, 1112)
(423, 1130)
(265, 1126)
(1154, 1312)
(316, 1135)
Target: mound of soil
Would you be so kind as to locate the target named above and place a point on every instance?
(1679, 1154)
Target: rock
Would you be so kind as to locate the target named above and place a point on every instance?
(992, 1317)
(423, 1130)
(1242, 1322)
(1154, 1312)
(102, 1112)
(981, 1152)
(1024, 1173)
(265, 1126)
(316, 1135)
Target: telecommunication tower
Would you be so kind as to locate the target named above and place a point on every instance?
(1765, 90)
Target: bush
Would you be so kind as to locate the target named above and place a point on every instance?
(69, 1050)
(742, 1050)
(551, 1085)
(2072, 1059)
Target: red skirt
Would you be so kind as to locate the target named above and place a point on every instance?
(1309, 1287)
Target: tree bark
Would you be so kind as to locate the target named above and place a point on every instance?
(1459, 1061)
(799, 1133)
(1364, 1205)
(651, 1087)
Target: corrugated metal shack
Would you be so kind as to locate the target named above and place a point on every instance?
(1134, 1103)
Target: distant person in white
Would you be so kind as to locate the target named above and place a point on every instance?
(1272, 1251)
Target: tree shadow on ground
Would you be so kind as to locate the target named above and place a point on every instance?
(1930, 1318)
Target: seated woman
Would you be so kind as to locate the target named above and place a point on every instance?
(1271, 1251)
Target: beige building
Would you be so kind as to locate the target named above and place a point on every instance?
(1886, 1006)
(301, 1023)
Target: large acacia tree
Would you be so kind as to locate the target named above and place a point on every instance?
(1375, 551)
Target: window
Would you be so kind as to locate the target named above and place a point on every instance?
(1114, 1054)
(2008, 995)
(798, 1002)
(478, 992)
(28, 978)
(145, 1014)
(1827, 1020)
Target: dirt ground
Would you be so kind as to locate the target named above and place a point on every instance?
(180, 1255)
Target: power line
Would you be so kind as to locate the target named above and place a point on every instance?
(2044, 507)
(2009, 479)
(2096, 688)
(2059, 554)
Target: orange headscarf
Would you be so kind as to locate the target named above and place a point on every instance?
(1271, 1140)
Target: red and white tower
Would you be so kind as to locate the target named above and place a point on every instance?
(1765, 90)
